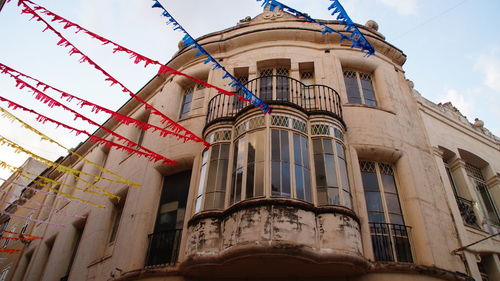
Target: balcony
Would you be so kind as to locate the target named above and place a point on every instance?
(391, 242)
(278, 90)
(265, 237)
(163, 248)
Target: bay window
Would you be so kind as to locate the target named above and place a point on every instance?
(271, 156)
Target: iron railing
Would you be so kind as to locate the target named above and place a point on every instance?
(466, 208)
(278, 90)
(163, 248)
(391, 242)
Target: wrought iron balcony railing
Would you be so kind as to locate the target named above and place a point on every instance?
(391, 242)
(466, 208)
(278, 90)
(163, 248)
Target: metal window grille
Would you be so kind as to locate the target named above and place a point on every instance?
(367, 167)
(320, 130)
(391, 242)
(299, 125)
(280, 121)
(306, 75)
(163, 248)
(256, 123)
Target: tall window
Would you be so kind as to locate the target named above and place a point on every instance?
(465, 206)
(331, 172)
(485, 201)
(74, 248)
(141, 132)
(274, 84)
(248, 165)
(302, 170)
(186, 102)
(117, 216)
(332, 182)
(2, 228)
(390, 239)
(213, 177)
(165, 241)
(280, 164)
(217, 177)
(359, 88)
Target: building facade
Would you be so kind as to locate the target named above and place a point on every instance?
(354, 175)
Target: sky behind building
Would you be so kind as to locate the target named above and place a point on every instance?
(453, 49)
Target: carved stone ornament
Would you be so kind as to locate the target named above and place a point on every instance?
(268, 15)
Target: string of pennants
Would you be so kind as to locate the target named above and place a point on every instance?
(357, 39)
(189, 41)
(39, 90)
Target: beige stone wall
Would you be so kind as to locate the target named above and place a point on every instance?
(399, 131)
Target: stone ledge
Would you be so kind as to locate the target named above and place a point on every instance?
(394, 267)
(288, 202)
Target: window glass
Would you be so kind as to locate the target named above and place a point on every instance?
(255, 165)
(239, 150)
(390, 239)
(186, 103)
(331, 173)
(351, 84)
(281, 185)
(173, 201)
(217, 177)
(302, 172)
(359, 88)
(201, 184)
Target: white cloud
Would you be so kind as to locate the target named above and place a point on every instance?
(403, 7)
(458, 100)
(489, 65)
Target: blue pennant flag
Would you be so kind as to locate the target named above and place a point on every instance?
(357, 38)
(189, 41)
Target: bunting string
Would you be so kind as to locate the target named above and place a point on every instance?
(37, 203)
(42, 183)
(95, 108)
(44, 192)
(86, 59)
(23, 234)
(189, 41)
(58, 167)
(44, 137)
(50, 102)
(9, 251)
(16, 238)
(30, 219)
(48, 180)
(43, 119)
(357, 39)
(138, 58)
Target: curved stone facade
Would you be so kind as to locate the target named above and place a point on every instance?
(275, 229)
(354, 176)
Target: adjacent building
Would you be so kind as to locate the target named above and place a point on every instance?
(354, 175)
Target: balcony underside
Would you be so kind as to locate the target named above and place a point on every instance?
(273, 237)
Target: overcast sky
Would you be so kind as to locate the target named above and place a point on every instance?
(453, 49)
